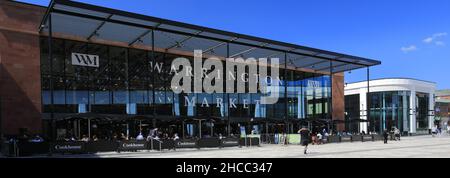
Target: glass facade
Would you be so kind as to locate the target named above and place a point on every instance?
(422, 111)
(389, 109)
(352, 113)
(132, 82)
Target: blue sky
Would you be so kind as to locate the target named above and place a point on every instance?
(410, 37)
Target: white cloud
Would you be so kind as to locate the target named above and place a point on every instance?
(408, 49)
(435, 36)
(439, 34)
(428, 40)
(439, 43)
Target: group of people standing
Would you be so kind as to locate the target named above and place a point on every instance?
(306, 137)
(395, 134)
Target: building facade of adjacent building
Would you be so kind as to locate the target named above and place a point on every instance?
(406, 104)
(74, 68)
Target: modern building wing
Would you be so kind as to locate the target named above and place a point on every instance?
(407, 104)
(126, 87)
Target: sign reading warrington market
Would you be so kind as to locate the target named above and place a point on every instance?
(240, 76)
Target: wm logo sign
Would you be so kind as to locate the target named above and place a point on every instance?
(85, 60)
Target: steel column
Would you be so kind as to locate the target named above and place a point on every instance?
(50, 56)
(228, 95)
(285, 94)
(368, 97)
(331, 92)
(153, 78)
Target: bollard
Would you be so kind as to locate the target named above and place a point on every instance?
(15, 149)
(245, 140)
(151, 144)
(50, 150)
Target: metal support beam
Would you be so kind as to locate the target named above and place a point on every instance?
(285, 95)
(139, 37)
(278, 53)
(180, 43)
(330, 101)
(153, 78)
(228, 97)
(142, 36)
(343, 70)
(311, 65)
(46, 16)
(368, 95)
(95, 32)
(247, 50)
(219, 45)
(330, 67)
(50, 57)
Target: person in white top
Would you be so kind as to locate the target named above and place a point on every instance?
(140, 136)
(319, 138)
(434, 131)
(448, 129)
(176, 137)
(85, 138)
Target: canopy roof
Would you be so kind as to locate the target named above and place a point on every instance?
(93, 22)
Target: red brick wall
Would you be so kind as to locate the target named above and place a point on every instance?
(20, 87)
(338, 100)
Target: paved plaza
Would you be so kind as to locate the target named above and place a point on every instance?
(408, 147)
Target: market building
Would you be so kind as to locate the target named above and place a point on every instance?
(75, 68)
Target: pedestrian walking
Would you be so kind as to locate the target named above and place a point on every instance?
(448, 129)
(304, 138)
(397, 134)
(434, 131)
(385, 135)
